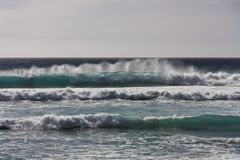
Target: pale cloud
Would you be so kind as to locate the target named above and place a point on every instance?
(113, 28)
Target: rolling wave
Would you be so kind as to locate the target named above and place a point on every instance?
(193, 123)
(120, 79)
(138, 72)
(196, 93)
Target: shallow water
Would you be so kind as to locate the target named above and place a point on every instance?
(116, 144)
(113, 142)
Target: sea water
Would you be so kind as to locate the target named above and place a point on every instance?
(119, 109)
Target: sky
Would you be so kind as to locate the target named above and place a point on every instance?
(119, 28)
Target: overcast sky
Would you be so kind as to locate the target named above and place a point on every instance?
(119, 28)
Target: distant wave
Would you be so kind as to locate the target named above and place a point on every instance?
(138, 72)
(192, 123)
(197, 93)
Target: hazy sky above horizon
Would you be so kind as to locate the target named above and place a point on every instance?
(119, 28)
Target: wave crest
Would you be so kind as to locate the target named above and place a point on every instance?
(197, 123)
(138, 72)
(197, 93)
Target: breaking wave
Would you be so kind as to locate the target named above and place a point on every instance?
(193, 123)
(138, 72)
(197, 93)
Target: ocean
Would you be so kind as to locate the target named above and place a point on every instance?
(119, 108)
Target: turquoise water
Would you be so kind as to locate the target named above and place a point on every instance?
(115, 142)
(119, 109)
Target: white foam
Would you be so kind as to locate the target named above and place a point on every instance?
(127, 93)
(99, 120)
(62, 122)
(105, 120)
(163, 70)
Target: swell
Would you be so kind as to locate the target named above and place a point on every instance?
(196, 93)
(120, 79)
(138, 72)
(114, 79)
(193, 123)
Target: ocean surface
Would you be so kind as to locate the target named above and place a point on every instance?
(124, 108)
